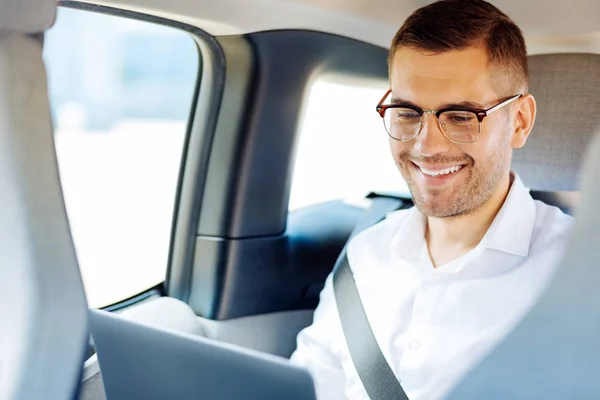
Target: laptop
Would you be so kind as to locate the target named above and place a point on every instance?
(143, 362)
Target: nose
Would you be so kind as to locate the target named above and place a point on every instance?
(431, 140)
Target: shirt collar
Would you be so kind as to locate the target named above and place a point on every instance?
(510, 231)
(410, 238)
(513, 226)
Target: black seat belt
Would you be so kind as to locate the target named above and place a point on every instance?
(375, 373)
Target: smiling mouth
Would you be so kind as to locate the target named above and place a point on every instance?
(440, 172)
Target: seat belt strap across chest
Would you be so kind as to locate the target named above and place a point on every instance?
(375, 373)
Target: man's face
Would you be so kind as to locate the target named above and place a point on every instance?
(434, 81)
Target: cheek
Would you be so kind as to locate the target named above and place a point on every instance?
(489, 146)
(479, 152)
(398, 148)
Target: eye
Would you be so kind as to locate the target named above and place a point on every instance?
(405, 115)
(458, 117)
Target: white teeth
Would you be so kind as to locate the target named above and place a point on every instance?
(446, 171)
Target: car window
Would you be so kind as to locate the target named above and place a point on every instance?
(121, 92)
(343, 150)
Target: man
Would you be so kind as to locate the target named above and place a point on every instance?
(444, 282)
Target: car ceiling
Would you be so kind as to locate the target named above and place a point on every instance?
(549, 26)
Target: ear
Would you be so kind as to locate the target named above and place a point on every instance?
(524, 119)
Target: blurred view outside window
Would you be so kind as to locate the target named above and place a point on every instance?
(121, 93)
(343, 150)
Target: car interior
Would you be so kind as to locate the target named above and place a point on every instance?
(241, 266)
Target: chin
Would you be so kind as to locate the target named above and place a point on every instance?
(436, 210)
(441, 203)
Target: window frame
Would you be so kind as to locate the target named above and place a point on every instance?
(199, 133)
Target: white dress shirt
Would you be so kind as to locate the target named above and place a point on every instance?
(434, 324)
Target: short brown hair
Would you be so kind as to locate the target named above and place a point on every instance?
(459, 24)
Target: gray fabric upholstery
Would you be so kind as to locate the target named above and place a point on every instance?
(554, 353)
(43, 312)
(567, 90)
(93, 388)
(27, 16)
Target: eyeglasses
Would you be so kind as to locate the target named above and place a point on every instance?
(460, 125)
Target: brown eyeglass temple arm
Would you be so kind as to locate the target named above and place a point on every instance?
(386, 95)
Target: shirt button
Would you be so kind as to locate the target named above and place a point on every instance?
(414, 345)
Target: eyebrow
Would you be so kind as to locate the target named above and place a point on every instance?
(464, 104)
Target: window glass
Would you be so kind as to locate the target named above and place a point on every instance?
(121, 93)
(343, 150)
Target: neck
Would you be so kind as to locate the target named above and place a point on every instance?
(450, 238)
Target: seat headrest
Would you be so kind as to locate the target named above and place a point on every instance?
(567, 91)
(27, 16)
(43, 310)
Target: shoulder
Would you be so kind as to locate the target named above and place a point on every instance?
(383, 230)
(375, 241)
(552, 219)
(552, 227)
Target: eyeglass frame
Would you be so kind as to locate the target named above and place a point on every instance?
(479, 112)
